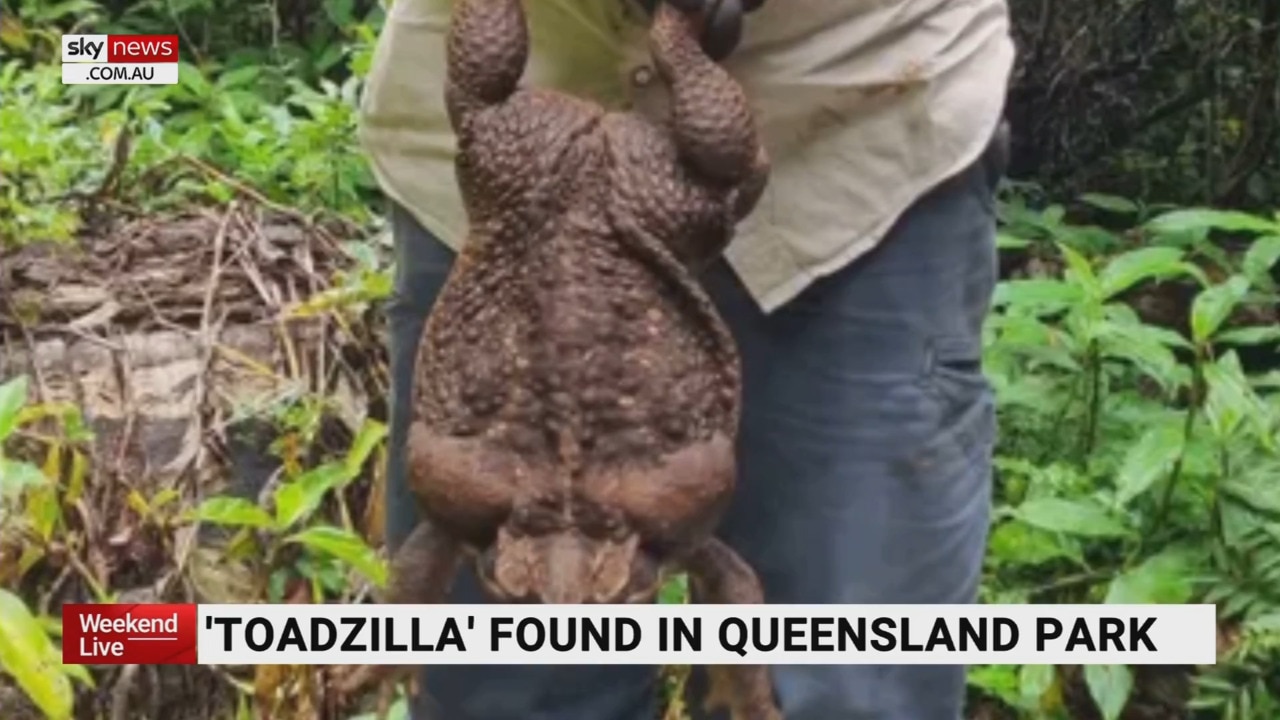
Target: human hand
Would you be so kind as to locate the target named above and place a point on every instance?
(722, 22)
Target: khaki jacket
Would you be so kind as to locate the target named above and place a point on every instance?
(864, 106)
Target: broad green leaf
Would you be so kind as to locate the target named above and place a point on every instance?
(1151, 263)
(1225, 404)
(13, 395)
(1073, 517)
(1016, 543)
(1084, 325)
(1146, 348)
(1153, 455)
(300, 497)
(162, 498)
(1052, 216)
(29, 656)
(1160, 579)
(1034, 682)
(1269, 623)
(1037, 296)
(1110, 686)
(1230, 400)
(232, 511)
(371, 433)
(1128, 321)
(999, 681)
(1256, 487)
(1027, 392)
(16, 476)
(44, 510)
(1213, 305)
(1255, 335)
(1079, 270)
(1196, 219)
(1090, 240)
(1267, 380)
(347, 547)
(1025, 335)
(190, 78)
(327, 476)
(1110, 203)
(1005, 241)
(1260, 258)
(242, 76)
(293, 502)
(340, 12)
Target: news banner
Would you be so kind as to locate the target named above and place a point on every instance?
(119, 59)
(103, 634)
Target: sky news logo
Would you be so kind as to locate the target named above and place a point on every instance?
(119, 59)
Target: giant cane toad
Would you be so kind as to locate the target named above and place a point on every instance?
(577, 394)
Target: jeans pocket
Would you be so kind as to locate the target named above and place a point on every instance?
(965, 426)
(953, 371)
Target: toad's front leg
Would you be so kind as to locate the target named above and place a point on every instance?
(488, 48)
(712, 121)
(422, 571)
(718, 575)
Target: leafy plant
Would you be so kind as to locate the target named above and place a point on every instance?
(1122, 436)
(272, 535)
(27, 650)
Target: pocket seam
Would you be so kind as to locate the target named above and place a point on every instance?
(964, 414)
(949, 348)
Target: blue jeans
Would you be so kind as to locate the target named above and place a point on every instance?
(864, 456)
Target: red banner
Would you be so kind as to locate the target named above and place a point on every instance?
(142, 48)
(127, 634)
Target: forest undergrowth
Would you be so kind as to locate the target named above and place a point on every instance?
(1132, 347)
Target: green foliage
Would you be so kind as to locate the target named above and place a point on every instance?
(46, 154)
(27, 650)
(296, 502)
(1246, 684)
(28, 653)
(278, 119)
(295, 540)
(1137, 459)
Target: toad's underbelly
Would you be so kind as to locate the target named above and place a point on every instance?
(576, 341)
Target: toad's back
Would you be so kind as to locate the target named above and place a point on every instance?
(567, 331)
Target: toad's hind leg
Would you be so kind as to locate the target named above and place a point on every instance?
(422, 571)
(424, 567)
(488, 49)
(718, 575)
(712, 120)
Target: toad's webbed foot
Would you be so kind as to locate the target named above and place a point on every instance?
(718, 575)
(487, 52)
(422, 571)
(423, 568)
(712, 121)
